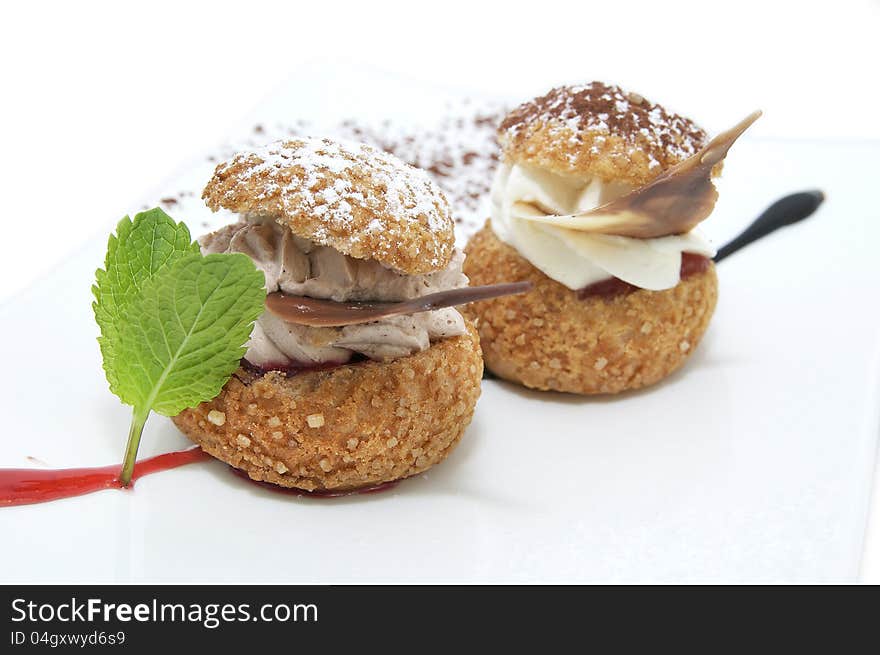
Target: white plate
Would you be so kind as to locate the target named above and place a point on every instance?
(754, 463)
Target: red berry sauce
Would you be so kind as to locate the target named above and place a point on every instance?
(691, 264)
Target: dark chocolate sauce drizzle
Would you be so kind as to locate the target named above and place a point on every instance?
(788, 210)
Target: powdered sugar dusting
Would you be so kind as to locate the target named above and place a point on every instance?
(459, 152)
(325, 190)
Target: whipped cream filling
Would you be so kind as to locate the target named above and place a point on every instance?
(299, 267)
(574, 258)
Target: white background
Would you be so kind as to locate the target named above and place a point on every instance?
(102, 101)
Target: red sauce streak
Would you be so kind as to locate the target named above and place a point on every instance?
(27, 486)
(319, 493)
(299, 367)
(691, 264)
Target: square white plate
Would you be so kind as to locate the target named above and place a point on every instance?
(754, 463)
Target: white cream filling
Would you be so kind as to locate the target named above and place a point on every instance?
(575, 258)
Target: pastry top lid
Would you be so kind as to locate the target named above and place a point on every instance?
(352, 197)
(598, 130)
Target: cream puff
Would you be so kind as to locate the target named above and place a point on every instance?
(597, 202)
(341, 407)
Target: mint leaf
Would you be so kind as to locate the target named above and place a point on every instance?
(173, 323)
(137, 251)
(183, 337)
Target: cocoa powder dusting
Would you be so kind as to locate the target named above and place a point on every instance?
(604, 109)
